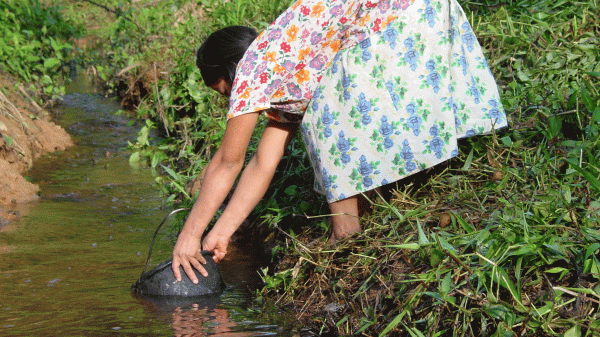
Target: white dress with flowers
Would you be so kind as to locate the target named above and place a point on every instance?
(383, 89)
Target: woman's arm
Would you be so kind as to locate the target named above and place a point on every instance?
(220, 175)
(251, 188)
(253, 185)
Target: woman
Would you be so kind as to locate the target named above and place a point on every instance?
(379, 90)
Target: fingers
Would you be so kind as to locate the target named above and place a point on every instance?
(189, 264)
(175, 266)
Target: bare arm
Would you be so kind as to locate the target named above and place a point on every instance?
(216, 184)
(220, 175)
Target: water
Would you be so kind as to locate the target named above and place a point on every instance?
(66, 267)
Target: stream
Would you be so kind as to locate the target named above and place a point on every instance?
(68, 263)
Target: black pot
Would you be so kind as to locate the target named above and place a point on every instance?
(160, 281)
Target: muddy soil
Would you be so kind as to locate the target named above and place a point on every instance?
(26, 133)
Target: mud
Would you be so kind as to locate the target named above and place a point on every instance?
(27, 132)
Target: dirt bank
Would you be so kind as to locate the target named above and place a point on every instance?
(26, 133)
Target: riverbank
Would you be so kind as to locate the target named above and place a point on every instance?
(27, 133)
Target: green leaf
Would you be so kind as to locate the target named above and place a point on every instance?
(575, 331)
(393, 324)
(594, 182)
(422, 237)
(51, 63)
(134, 159)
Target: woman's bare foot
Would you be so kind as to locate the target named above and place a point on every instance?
(345, 218)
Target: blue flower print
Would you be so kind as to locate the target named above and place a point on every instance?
(327, 132)
(407, 153)
(386, 129)
(395, 99)
(410, 166)
(471, 133)
(409, 43)
(468, 37)
(453, 32)
(365, 44)
(433, 79)
(454, 152)
(384, 182)
(390, 35)
(365, 120)
(364, 106)
(347, 95)
(433, 131)
(475, 91)
(367, 181)
(343, 144)
(366, 55)
(364, 168)
(412, 57)
(388, 142)
(390, 86)
(430, 14)
(326, 179)
(327, 117)
(430, 65)
(345, 157)
(346, 81)
(414, 123)
(494, 113)
(411, 108)
(315, 99)
(437, 146)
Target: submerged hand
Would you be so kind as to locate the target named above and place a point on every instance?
(217, 244)
(187, 253)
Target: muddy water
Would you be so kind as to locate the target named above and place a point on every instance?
(66, 267)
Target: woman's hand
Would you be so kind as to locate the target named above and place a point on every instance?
(217, 244)
(188, 254)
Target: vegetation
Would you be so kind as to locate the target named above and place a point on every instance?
(502, 240)
(34, 44)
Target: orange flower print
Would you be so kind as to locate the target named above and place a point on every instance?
(317, 10)
(291, 33)
(302, 53)
(278, 93)
(278, 69)
(269, 56)
(296, 4)
(363, 21)
(330, 33)
(246, 93)
(335, 46)
(302, 76)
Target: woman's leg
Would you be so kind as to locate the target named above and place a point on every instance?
(345, 219)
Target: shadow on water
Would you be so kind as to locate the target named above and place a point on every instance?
(67, 266)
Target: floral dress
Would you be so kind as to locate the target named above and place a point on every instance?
(382, 89)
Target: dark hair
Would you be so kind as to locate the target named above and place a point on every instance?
(219, 55)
